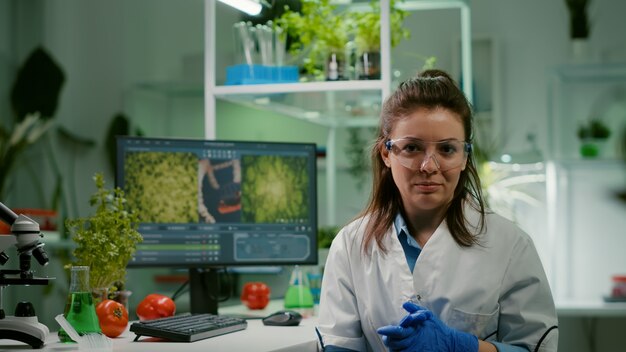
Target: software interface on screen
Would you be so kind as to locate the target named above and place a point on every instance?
(220, 202)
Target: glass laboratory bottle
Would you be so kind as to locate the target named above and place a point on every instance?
(299, 296)
(80, 310)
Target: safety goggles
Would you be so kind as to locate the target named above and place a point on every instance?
(415, 153)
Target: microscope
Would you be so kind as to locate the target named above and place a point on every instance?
(25, 235)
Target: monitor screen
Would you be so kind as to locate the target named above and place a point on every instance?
(209, 203)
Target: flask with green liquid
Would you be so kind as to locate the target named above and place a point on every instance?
(80, 310)
(299, 296)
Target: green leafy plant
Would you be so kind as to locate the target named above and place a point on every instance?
(594, 129)
(325, 235)
(366, 27)
(320, 28)
(317, 29)
(106, 240)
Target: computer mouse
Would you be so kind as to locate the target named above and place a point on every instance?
(283, 318)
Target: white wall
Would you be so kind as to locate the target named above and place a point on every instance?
(105, 49)
(6, 69)
(534, 37)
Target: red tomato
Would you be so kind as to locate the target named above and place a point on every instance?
(155, 306)
(112, 317)
(255, 295)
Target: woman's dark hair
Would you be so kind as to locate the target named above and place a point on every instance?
(429, 90)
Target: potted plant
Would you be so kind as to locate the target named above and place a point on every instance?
(106, 240)
(593, 136)
(366, 28)
(321, 31)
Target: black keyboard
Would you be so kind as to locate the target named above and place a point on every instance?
(188, 327)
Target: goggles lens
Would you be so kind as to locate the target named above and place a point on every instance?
(414, 153)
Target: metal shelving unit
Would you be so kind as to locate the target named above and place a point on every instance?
(333, 118)
(581, 192)
(578, 92)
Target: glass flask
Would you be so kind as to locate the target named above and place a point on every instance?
(80, 310)
(299, 296)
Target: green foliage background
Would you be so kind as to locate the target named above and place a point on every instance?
(274, 188)
(163, 187)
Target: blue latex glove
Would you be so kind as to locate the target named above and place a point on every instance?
(422, 331)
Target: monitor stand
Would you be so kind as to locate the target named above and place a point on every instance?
(204, 290)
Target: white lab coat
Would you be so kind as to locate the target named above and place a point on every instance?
(497, 287)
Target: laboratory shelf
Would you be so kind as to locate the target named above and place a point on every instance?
(332, 108)
(578, 93)
(361, 85)
(591, 72)
(171, 89)
(337, 104)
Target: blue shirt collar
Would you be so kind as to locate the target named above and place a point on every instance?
(401, 227)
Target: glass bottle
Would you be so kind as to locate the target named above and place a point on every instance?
(80, 310)
(299, 296)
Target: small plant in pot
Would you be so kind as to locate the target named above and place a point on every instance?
(367, 36)
(321, 31)
(106, 240)
(593, 136)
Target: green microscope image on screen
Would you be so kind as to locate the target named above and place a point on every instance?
(162, 187)
(274, 189)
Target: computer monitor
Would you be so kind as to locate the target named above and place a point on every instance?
(206, 204)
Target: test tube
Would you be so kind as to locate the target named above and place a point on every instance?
(279, 46)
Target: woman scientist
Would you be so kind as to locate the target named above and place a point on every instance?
(426, 267)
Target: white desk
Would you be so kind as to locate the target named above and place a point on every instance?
(590, 308)
(591, 325)
(256, 337)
